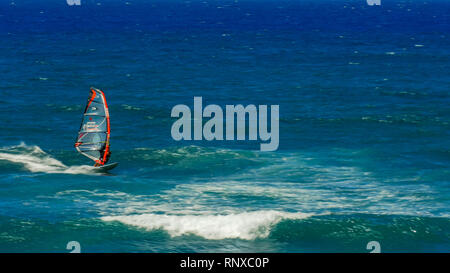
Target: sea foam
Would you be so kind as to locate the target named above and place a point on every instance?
(35, 160)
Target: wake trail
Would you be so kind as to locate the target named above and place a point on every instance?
(35, 160)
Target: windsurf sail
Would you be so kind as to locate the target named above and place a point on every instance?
(94, 133)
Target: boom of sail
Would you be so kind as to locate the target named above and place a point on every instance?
(94, 133)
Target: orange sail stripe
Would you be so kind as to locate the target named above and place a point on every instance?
(108, 130)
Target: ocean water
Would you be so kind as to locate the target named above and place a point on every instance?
(364, 149)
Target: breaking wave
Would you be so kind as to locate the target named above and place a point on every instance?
(245, 225)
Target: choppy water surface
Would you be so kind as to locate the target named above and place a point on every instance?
(364, 126)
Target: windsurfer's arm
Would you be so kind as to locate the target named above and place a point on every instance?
(98, 163)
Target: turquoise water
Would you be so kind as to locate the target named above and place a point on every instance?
(364, 126)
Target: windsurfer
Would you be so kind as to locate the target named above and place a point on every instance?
(99, 163)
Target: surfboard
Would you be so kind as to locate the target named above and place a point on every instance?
(106, 167)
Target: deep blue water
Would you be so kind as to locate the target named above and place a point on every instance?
(364, 149)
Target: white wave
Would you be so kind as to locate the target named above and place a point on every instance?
(245, 225)
(35, 160)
